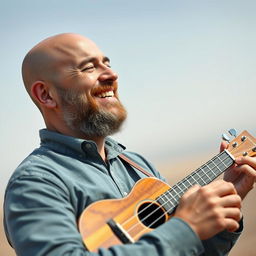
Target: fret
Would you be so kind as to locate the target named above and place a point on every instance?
(174, 198)
(218, 165)
(212, 168)
(182, 185)
(187, 183)
(165, 198)
(208, 178)
(192, 180)
(168, 201)
(178, 189)
(199, 179)
(202, 176)
(175, 194)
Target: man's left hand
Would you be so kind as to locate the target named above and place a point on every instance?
(242, 174)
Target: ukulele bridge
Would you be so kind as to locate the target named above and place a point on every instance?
(120, 233)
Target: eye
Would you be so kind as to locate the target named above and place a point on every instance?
(89, 68)
(107, 63)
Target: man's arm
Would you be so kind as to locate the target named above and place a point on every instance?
(40, 220)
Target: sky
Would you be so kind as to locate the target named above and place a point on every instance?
(186, 70)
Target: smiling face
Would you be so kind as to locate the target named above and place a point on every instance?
(82, 83)
(83, 113)
(87, 88)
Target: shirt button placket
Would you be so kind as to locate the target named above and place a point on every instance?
(118, 183)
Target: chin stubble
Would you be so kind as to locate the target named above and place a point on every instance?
(82, 115)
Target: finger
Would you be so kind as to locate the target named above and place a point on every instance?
(232, 213)
(231, 201)
(247, 160)
(248, 170)
(231, 225)
(223, 145)
(220, 188)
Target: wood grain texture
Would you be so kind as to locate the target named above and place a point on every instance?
(93, 221)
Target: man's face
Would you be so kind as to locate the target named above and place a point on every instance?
(87, 89)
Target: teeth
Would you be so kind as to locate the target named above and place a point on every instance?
(106, 94)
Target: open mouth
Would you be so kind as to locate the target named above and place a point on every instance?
(104, 92)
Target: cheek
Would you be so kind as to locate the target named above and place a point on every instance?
(80, 81)
(86, 81)
(90, 101)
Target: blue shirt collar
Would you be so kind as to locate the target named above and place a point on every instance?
(67, 144)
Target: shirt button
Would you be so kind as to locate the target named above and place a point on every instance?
(125, 193)
(88, 146)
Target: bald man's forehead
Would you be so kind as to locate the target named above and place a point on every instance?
(74, 49)
(57, 56)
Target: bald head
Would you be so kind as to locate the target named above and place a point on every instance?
(71, 82)
(43, 62)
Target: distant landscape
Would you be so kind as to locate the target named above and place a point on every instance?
(245, 245)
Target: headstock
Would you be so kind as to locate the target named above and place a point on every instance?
(243, 145)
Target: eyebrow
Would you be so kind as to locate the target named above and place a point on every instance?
(92, 59)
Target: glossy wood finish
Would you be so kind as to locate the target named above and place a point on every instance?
(93, 222)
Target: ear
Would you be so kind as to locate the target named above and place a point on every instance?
(41, 93)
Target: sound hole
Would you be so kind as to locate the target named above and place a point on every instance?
(151, 215)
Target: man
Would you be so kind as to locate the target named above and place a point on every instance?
(72, 84)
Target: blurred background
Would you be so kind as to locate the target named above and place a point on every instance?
(186, 75)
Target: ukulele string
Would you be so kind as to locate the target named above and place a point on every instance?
(139, 234)
(178, 195)
(254, 144)
(169, 201)
(156, 220)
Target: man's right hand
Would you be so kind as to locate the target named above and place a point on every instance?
(210, 209)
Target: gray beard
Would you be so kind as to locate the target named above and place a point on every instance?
(96, 124)
(80, 115)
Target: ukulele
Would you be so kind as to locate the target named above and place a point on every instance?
(152, 202)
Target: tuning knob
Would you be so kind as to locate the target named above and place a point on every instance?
(233, 132)
(225, 137)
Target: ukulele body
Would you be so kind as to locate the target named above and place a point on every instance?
(151, 201)
(93, 223)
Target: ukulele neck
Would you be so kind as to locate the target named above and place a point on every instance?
(202, 176)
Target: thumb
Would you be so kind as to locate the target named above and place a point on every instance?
(223, 145)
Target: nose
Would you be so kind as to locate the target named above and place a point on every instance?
(108, 75)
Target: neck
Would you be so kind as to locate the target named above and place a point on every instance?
(100, 141)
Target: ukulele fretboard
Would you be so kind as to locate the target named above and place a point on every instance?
(202, 176)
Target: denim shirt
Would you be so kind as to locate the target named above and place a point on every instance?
(50, 189)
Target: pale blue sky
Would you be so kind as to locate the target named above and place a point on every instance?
(186, 70)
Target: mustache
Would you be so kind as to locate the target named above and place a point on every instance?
(105, 87)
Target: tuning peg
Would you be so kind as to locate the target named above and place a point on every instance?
(233, 132)
(225, 137)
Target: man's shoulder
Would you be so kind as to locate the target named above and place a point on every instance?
(35, 173)
(37, 163)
